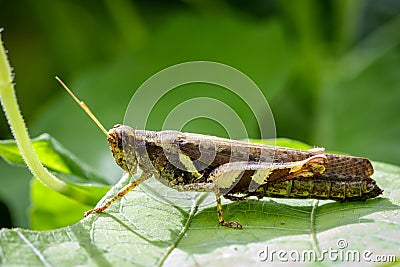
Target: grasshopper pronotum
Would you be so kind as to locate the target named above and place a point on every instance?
(234, 169)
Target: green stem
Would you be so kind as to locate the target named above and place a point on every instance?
(19, 130)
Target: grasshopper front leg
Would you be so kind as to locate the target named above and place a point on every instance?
(125, 190)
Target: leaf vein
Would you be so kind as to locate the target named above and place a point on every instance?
(34, 249)
(314, 239)
(173, 245)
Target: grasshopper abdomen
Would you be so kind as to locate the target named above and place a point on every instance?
(321, 188)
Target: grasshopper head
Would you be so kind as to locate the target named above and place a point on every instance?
(121, 139)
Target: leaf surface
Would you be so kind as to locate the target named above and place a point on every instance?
(182, 229)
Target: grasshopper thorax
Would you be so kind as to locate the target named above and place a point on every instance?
(121, 139)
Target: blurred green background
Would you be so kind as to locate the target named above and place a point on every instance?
(329, 70)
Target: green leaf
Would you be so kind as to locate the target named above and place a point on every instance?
(52, 210)
(182, 230)
(285, 142)
(63, 164)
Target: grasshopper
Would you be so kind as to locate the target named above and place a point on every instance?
(234, 169)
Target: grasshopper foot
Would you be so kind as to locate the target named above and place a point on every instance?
(234, 225)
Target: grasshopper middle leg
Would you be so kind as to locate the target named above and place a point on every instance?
(210, 187)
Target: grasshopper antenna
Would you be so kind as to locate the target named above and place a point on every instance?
(84, 107)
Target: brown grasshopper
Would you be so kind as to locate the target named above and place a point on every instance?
(234, 169)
